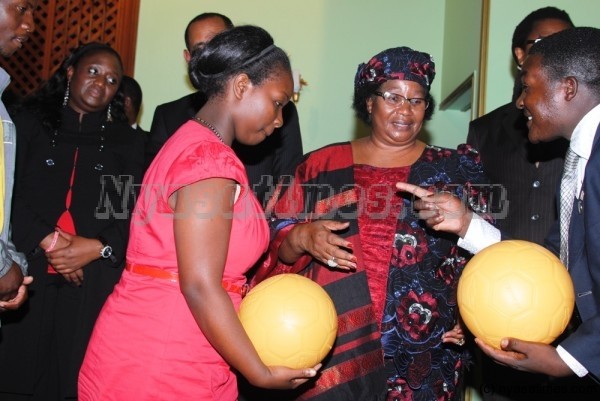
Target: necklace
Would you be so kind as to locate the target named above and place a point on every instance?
(210, 127)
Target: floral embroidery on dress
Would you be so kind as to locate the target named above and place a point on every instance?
(425, 267)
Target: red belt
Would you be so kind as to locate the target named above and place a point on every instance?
(156, 272)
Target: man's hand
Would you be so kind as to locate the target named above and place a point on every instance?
(19, 299)
(527, 356)
(10, 283)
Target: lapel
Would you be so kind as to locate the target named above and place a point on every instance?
(585, 220)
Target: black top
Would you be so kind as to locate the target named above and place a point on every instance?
(103, 197)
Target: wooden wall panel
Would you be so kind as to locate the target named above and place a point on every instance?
(62, 25)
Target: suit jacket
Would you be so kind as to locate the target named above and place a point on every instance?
(584, 265)
(145, 137)
(265, 163)
(527, 208)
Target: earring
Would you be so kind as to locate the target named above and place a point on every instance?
(108, 115)
(67, 92)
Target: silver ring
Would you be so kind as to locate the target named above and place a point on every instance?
(331, 262)
(460, 342)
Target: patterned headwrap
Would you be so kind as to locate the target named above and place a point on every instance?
(397, 63)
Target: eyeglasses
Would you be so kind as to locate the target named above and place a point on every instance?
(396, 100)
(533, 41)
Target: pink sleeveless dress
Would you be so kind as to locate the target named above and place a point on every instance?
(146, 344)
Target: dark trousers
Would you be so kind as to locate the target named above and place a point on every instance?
(50, 320)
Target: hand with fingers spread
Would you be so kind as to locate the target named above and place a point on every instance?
(318, 239)
(527, 356)
(442, 211)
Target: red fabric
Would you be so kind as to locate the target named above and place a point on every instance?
(378, 209)
(65, 221)
(322, 188)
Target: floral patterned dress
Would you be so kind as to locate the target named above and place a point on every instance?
(413, 272)
(394, 308)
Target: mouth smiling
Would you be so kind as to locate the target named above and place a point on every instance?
(401, 124)
(529, 118)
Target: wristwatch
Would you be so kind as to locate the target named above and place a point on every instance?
(106, 252)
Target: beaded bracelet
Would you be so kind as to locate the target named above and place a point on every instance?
(53, 243)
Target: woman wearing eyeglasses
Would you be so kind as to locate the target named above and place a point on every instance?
(341, 222)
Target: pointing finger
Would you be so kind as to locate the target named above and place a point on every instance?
(413, 189)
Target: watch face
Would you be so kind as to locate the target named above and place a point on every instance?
(106, 251)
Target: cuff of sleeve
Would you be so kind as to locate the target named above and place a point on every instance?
(5, 259)
(480, 234)
(575, 366)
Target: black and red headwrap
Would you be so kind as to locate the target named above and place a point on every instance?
(397, 63)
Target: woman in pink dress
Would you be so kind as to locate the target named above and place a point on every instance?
(170, 331)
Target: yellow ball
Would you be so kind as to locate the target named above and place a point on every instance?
(290, 320)
(515, 289)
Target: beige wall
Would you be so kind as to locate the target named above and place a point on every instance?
(326, 40)
(504, 17)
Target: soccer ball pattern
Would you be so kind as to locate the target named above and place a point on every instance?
(290, 320)
(515, 289)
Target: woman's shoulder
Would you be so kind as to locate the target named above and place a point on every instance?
(327, 152)
(330, 157)
(28, 124)
(196, 150)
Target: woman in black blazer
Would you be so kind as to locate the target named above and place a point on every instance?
(78, 163)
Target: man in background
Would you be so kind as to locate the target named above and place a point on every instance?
(16, 24)
(132, 93)
(132, 102)
(276, 156)
(528, 172)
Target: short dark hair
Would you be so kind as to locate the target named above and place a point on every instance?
(247, 48)
(202, 17)
(525, 27)
(573, 52)
(132, 89)
(364, 92)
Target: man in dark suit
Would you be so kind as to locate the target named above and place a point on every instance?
(529, 173)
(132, 102)
(278, 155)
(560, 99)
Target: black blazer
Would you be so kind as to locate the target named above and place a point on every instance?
(265, 163)
(527, 209)
(584, 265)
(107, 175)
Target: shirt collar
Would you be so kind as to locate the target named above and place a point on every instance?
(583, 135)
(4, 80)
